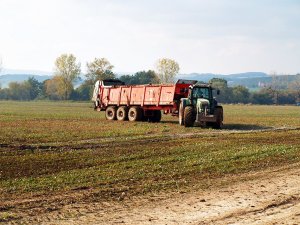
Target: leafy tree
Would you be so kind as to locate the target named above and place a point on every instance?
(19, 91)
(264, 96)
(99, 69)
(240, 94)
(127, 79)
(226, 92)
(24, 91)
(35, 87)
(167, 70)
(142, 77)
(295, 87)
(4, 93)
(218, 83)
(286, 97)
(83, 92)
(54, 88)
(148, 77)
(68, 70)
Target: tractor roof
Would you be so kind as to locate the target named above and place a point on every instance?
(199, 84)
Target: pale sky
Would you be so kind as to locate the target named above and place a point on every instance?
(215, 36)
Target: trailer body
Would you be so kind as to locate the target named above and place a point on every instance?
(149, 97)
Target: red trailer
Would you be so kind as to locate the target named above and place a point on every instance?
(139, 102)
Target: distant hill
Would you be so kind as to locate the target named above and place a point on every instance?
(205, 77)
(6, 71)
(7, 78)
(251, 80)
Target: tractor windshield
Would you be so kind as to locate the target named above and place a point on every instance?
(201, 92)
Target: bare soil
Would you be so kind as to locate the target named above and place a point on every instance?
(268, 197)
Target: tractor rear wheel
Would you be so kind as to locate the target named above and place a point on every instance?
(189, 116)
(135, 114)
(219, 117)
(122, 113)
(111, 113)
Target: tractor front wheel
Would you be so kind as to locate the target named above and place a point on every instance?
(189, 116)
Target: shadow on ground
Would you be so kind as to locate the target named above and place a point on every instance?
(235, 126)
(169, 121)
(232, 126)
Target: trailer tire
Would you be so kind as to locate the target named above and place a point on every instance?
(156, 116)
(145, 118)
(111, 113)
(135, 114)
(122, 113)
(189, 116)
(142, 114)
(181, 114)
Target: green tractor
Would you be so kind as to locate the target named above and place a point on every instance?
(200, 107)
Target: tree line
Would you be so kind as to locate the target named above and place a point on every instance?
(68, 70)
(268, 95)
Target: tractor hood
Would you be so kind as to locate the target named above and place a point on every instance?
(202, 104)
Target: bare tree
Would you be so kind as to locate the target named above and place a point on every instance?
(295, 86)
(275, 87)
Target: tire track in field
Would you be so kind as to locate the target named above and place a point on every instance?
(128, 141)
(269, 209)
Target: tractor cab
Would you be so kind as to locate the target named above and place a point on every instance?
(201, 107)
(201, 96)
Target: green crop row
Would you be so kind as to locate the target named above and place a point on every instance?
(56, 147)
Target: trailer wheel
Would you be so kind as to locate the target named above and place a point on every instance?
(111, 113)
(181, 114)
(145, 118)
(135, 114)
(122, 113)
(189, 116)
(156, 116)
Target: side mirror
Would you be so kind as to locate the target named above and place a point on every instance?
(218, 92)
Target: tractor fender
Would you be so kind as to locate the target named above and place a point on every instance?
(183, 103)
